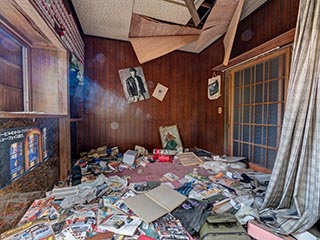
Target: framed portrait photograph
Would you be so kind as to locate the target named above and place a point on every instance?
(134, 84)
(170, 137)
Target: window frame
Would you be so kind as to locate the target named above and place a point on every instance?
(230, 76)
(25, 67)
(38, 100)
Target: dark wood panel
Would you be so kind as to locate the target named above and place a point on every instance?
(272, 19)
(10, 49)
(10, 75)
(44, 74)
(11, 99)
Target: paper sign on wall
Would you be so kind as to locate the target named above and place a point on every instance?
(160, 92)
(214, 87)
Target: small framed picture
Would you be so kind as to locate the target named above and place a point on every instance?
(214, 87)
(170, 137)
(134, 84)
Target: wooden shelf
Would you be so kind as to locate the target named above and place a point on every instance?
(75, 119)
(28, 115)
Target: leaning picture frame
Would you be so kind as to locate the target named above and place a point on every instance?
(170, 137)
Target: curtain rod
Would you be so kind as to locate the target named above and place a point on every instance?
(257, 56)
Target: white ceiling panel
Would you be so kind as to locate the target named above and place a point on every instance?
(174, 11)
(105, 18)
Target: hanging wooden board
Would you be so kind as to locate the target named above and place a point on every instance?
(149, 48)
(217, 21)
(193, 12)
(142, 26)
(231, 33)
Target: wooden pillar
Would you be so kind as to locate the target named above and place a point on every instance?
(65, 147)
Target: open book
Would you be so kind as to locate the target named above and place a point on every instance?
(155, 203)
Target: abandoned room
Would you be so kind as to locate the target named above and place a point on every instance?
(159, 119)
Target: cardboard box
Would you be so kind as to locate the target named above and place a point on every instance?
(262, 232)
(129, 157)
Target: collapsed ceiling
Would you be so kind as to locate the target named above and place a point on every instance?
(157, 27)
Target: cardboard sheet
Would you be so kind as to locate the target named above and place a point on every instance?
(155, 203)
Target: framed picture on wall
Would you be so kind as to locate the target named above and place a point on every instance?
(134, 84)
(170, 137)
(214, 87)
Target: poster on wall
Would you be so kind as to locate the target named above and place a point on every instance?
(134, 84)
(214, 84)
(22, 149)
(160, 92)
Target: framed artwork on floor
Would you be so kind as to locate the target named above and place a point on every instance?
(170, 137)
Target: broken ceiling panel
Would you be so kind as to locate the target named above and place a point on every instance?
(149, 48)
(111, 19)
(249, 6)
(231, 32)
(217, 22)
(174, 11)
(142, 26)
(105, 18)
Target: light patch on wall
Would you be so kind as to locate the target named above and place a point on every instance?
(100, 58)
(149, 116)
(95, 95)
(246, 35)
(114, 125)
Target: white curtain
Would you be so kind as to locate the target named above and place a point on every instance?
(293, 194)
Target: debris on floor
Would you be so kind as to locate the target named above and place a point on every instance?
(100, 197)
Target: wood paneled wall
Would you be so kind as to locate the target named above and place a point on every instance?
(109, 120)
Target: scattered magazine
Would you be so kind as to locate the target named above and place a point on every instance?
(120, 224)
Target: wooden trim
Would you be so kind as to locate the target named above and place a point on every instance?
(258, 168)
(38, 21)
(75, 120)
(281, 40)
(262, 59)
(230, 113)
(4, 114)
